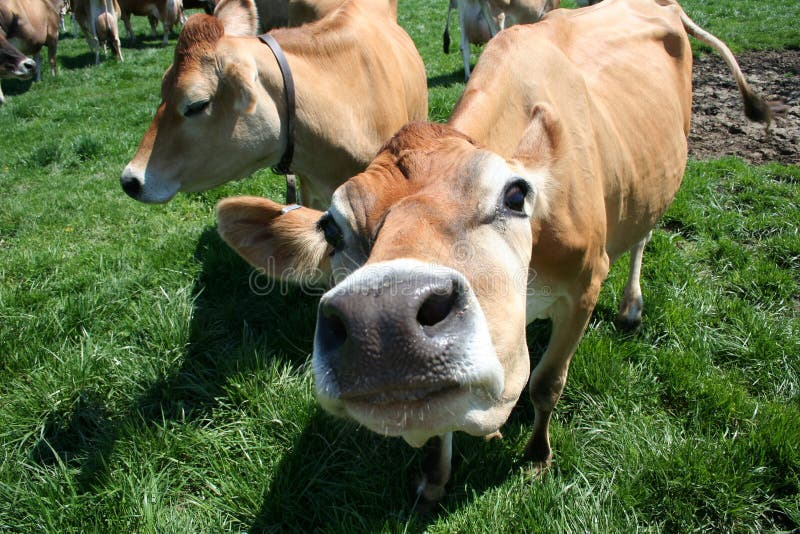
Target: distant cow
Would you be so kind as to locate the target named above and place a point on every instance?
(169, 12)
(479, 20)
(31, 24)
(13, 63)
(358, 78)
(553, 165)
(98, 20)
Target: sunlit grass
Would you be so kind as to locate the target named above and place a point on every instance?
(144, 387)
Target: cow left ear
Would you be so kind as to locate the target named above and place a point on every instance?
(283, 241)
(239, 17)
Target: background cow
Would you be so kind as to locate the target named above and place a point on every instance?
(358, 78)
(30, 25)
(169, 12)
(479, 20)
(552, 165)
(13, 63)
(98, 20)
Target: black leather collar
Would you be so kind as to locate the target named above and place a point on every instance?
(285, 164)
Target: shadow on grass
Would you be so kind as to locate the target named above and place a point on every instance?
(230, 325)
(13, 87)
(339, 476)
(447, 80)
(81, 61)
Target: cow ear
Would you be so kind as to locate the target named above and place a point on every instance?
(542, 139)
(239, 17)
(242, 80)
(282, 241)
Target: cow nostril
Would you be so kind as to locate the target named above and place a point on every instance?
(131, 185)
(29, 64)
(333, 332)
(437, 307)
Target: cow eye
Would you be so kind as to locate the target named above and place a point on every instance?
(331, 231)
(514, 197)
(195, 108)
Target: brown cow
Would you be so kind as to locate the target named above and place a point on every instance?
(98, 20)
(553, 164)
(479, 20)
(357, 75)
(31, 24)
(169, 12)
(13, 63)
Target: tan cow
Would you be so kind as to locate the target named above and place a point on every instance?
(169, 12)
(13, 63)
(479, 20)
(30, 25)
(282, 13)
(98, 20)
(567, 146)
(358, 78)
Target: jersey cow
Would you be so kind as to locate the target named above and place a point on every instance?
(457, 236)
(357, 75)
(30, 25)
(169, 12)
(479, 20)
(98, 20)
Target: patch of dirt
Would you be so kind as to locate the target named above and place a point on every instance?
(719, 127)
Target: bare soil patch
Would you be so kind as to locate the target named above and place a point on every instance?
(719, 127)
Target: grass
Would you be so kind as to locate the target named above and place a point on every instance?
(144, 387)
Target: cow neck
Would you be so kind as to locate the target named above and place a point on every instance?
(285, 164)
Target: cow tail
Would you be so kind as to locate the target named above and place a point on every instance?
(446, 34)
(755, 108)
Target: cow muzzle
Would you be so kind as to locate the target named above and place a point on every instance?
(403, 347)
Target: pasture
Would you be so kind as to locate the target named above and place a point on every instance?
(148, 384)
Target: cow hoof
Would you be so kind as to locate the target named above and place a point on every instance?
(626, 324)
(536, 470)
(427, 496)
(494, 435)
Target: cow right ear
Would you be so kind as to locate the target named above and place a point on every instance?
(239, 17)
(283, 241)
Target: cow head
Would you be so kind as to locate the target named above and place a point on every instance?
(429, 249)
(216, 121)
(13, 63)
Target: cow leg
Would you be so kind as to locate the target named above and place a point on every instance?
(153, 20)
(550, 375)
(465, 51)
(2, 98)
(167, 29)
(94, 42)
(493, 29)
(436, 466)
(38, 59)
(630, 309)
(126, 20)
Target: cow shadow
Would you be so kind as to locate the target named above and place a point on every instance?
(81, 61)
(227, 336)
(12, 86)
(337, 473)
(447, 80)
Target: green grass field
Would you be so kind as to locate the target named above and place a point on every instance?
(145, 388)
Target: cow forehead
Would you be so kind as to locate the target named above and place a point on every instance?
(450, 187)
(197, 40)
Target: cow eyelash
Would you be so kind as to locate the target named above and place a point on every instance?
(196, 108)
